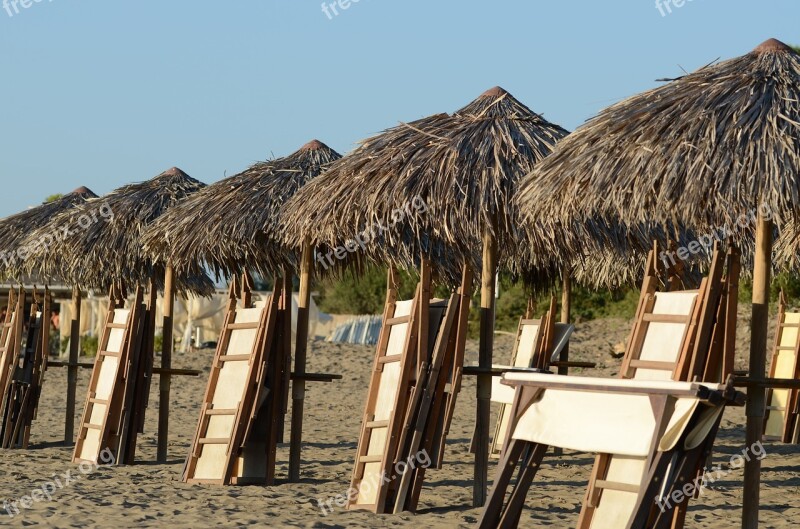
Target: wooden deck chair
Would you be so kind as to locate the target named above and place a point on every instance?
(100, 428)
(532, 350)
(24, 388)
(454, 372)
(416, 378)
(10, 340)
(264, 429)
(659, 429)
(424, 417)
(234, 395)
(781, 412)
(676, 336)
(140, 375)
(388, 396)
(672, 339)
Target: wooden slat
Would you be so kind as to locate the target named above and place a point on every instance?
(652, 364)
(666, 318)
(390, 359)
(397, 321)
(234, 358)
(613, 485)
(242, 326)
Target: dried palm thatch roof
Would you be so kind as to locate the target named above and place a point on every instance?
(233, 224)
(463, 167)
(701, 151)
(14, 229)
(100, 241)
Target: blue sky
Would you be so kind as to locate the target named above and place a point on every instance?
(102, 93)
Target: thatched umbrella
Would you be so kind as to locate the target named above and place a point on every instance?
(100, 242)
(702, 150)
(232, 226)
(15, 229)
(464, 169)
(13, 232)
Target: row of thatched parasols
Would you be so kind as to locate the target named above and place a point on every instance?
(492, 185)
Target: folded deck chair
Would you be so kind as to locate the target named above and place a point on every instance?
(681, 336)
(781, 419)
(658, 431)
(25, 377)
(10, 339)
(539, 342)
(104, 431)
(419, 353)
(237, 432)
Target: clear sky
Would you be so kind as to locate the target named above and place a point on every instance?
(102, 93)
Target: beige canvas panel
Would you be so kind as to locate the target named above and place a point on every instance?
(211, 460)
(702, 429)
(785, 363)
(397, 336)
(90, 448)
(501, 393)
(228, 395)
(526, 350)
(598, 421)
(230, 384)
(369, 484)
(527, 345)
(116, 336)
(616, 507)
(589, 422)
(664, 341)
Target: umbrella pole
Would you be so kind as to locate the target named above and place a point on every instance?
(72, 367)
(166, 364)
(566, 316)
(484, 390)
(566, 308)
(300, 350)
(756, 398)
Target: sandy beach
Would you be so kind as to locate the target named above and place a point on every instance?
(150, 495)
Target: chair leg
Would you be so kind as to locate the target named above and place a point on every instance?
(505, 470)
(530, 465)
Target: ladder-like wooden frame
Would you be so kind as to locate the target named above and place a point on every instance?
(384, 450)
(110, 409)
(23, 388)
(10, 340)
(246, 411)
(787, 413)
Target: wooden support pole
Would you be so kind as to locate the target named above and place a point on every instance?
(484, 389)
(165, 379)
(72, 369)
(756, 395)
(566, 316)
(300, 352)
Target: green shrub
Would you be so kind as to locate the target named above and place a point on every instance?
(89, 345)
(362, 295)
